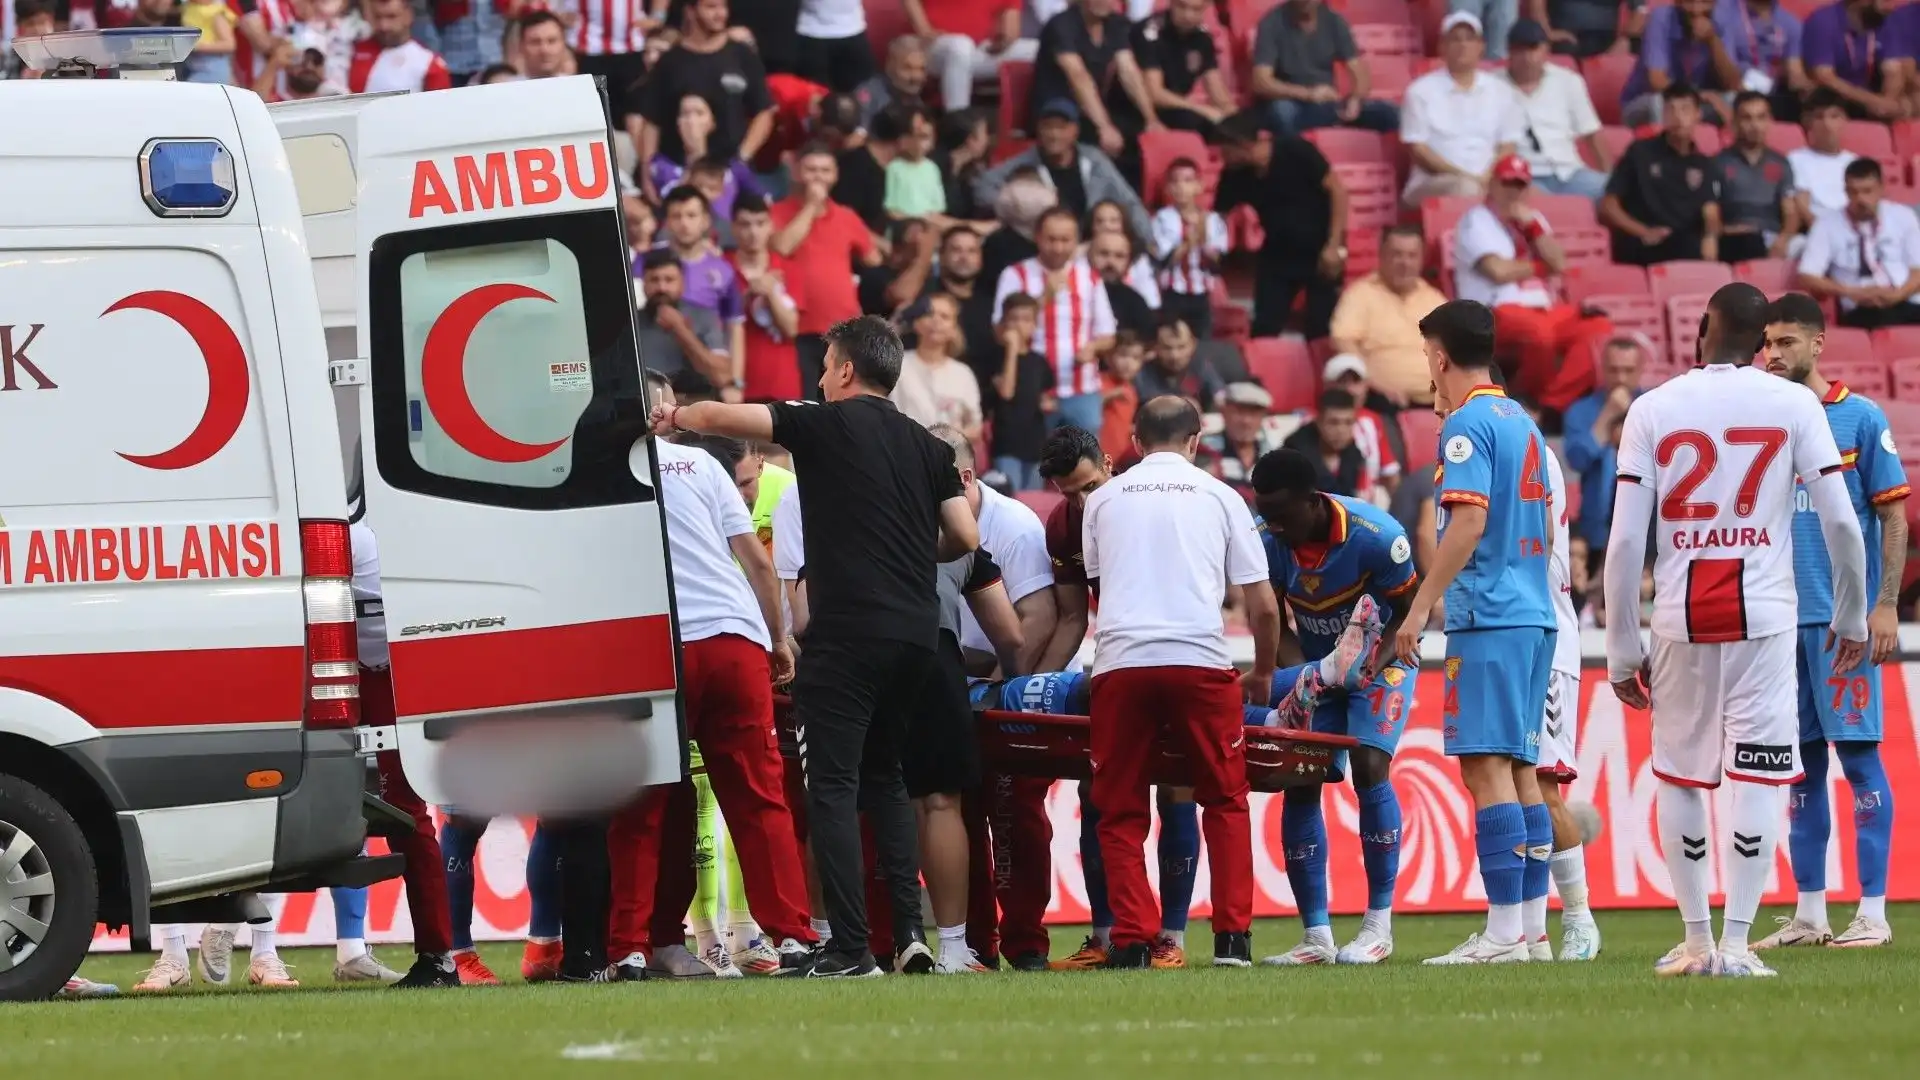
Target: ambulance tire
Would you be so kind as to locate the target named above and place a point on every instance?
(60, 848)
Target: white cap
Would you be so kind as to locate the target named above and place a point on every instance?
(1343, 365)
(1461, 18)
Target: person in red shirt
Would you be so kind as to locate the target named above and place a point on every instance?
(821, 241)
(391, 59)
(971, 39)
(773, 315)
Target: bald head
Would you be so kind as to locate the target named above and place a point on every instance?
(1168, 422)
(1736, 325)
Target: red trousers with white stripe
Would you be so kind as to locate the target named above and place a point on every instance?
(728, 696)
(426, 873)
(1199, 710)
(1555, 350)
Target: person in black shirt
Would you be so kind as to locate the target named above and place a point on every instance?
(863, 169)
(885, 289)
(959, 277)
(1021, 388)
(1084, 56)
(1176, 53)
(1328, 442)
(882, 504)
(1302, 206)
(1663, 202)
(709, 64)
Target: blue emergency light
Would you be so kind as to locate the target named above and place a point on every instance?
(187, 178)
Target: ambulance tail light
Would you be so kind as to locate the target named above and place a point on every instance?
(333, 650)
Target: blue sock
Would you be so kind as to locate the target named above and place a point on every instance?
(1500, 833)
(1093, 869)
(1872, 813)
(1536, 873)
(1303, 832)
(459, 842)
(349, 913)
(1809, 820)
(543, 885)
(1380, 843)
(1179, 862)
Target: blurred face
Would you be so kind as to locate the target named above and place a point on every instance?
(1336, 428)
(1874, 12)
(543, 50)
(1353, 383)
(392, 21)
(907, 71)
(640, 223)
(1621, 367)
(1109, 254)
(1751, 124)
(709, 15)
(696, 116)
(1188, 13)
(307, 71)
(1792, 350)
(663, 284)
(1057, 136)
(746, 477)
(1084, 480)
(155, 9)
(1175, 349)
(1107, 218)
(819, 169)
(1183, 186)
(1863, 198)
(1462, 48)
(937, 325)
(919, 139)
(35, 25)
(1292, 519)
(1126, 363)
(1825, 127)
(1058, 238)
(709, 183)
(1695, 9)
(688, 222)
(1527, 63)
(1020, 322)
(752, 230)
(1682, 116)
(1242, 422)
(838, 382)
(1400, 259)
(960, 256)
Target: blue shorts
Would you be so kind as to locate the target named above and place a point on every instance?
(1375, 717)
(1835, 708)
(1496, 691)
(1055, 693)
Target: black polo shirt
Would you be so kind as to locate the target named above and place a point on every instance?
(871, 484)
(1181, 56)
(1291, 200)
(1067, 33)
(1660, 186)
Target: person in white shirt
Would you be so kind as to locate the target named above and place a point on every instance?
(1458, 120)
(936, 386)
(1718, 450)
(1559, 117)
(832, 47)
(1867, 256)
(1161, 543)
(1075, 325)
(1189, 241)
(1018, 540)
(1819, 168)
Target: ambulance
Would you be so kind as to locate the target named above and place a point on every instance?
(188, 433)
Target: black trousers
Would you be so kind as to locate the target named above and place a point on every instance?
(1274, 290)
(1866, 318)
(851, 700)
(839, 64)
(811, 349)
(586, 894)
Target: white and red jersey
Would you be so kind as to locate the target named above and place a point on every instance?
(1721, 448)
(1193, 274)
(369, 611)
(407, 66)
(1370, 435)
(1566, 646)
(609, 27)
(1079, 313)
(277, 16)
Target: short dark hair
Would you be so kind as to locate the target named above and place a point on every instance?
(710, 165)
(749, 203)
(27, 9)
(1798, 309)
(815, 148)
(1746, 97)
(1167, 420)
(1171, 319)
(1464, 328)
(896, 120)
(1739, 311)
(1181, 163)
(1285, 472)
(527, 20)
(1820, 100)
(1066, 448)
(683, 194)
(659, 259)
(1864, 168)
(1680, 91)
(727, 451)
(489, 73)
(872, 346)
(839, 112)
(956, 230)
(1017, 301)
(1335, 398)
(1127, 339)
(1052, 212)
(1403, 232)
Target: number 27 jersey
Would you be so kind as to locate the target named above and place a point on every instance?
(1721, 448)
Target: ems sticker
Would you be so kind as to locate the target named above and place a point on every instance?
(1401, 551)
(1459, 449)
(1886, 442)
(569, 377)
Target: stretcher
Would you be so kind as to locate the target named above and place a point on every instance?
(1059, 747)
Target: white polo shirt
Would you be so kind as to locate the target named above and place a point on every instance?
(704, 511)
(1478, 235)
(1865, 254)
(1823, 177)
(1558, 112)
(1462, 126)
(1164, 539)
(829, 20)
(369, 614)
(1017, 539)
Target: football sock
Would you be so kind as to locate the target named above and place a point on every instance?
(1569, 870)
(349, 924)
(1809, 821)
(739, 915)
(705, 911)
(1179, 850)
(1872, 815)
(953, 939)
(822, 929)
(1684, 835)
(1500, 837)
(460, 841)
(263, 941)
(1535, 876)
(1380, 843)
(543, 886)
(1755, 836)
(1178, 937)
(1378, 920)
(1303, 833)
(172, 939)
(1093, 869)
(1873, 907)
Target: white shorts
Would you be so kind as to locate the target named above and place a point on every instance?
(1729, 708)
(1560, 727)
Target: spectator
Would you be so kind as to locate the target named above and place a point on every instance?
(641, 228)
(707, 277)
(1018, 208)
(1176, 56)
(1296, 50)
(1188, 242)
(1590, 27)
(903, 80)
(1868, 257)
(835, 121)
(1302, 207)
(684, 343)
(706, 63)
(832, 47)
(1760, 216)
(1327, 440)
(1559, 117)
(390, 59)
(498, 73)
(212, 59)
(1458, 120)
(915, 188)
(1174, 368)
(1663, 200)
(1137, 272)
(1497, 19)
(1592, 440)
(886, 289)
(1819, 168)
(1242, 439)
(1119, 397)
(1081, 174)
(1850, 49)
(721, 182)
(262, 23)
(24, 18)
(1505, 253)
(936, 386)
(470, 37)
(965, 139)
(1685, 43)
(1022, 383)
(1772, 55)
(863, 168)
(959, 277)
(822, 241)
(695, 124)
(543, 54)
(1111, 256)
(770, 369)
(971, 39)
(1377, 437)
(1075, 323)
(294, 74)
(1378, 318)
(1084, 52)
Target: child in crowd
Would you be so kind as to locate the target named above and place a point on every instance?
(1119, 399)
(212, 59)
(31, 18)
(915, 187)
(1022, 396)
(334, 27)
(721, 182)
(772, 366)
(1188, 243)
(711, 282)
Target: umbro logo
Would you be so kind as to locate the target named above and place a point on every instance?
(1747, 847)
(1693, 847)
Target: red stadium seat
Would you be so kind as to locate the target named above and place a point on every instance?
(1373, 202)
(1904, 374)
(1903, 418)
(886, 20)
(1231, 322)
(1391, 76)
(1588, 246)
(1244, 230)
(1565, 211)
(1899, 193)
(1343, 145)
(1363, 252)
(1159, 149)
(1016, 86)
(1042, 501)
(1582, 282)
(1897, 341)
(1607, 76)
(1872, 139)
(1616, 139)
(1441, 214)
(1869, 377)
(1683, 326)
(1389, 12)
(1770, 276)
(1687, 276)
(1847, 345)
(1420, 430)
(1636, 313)
(1285, 368)
(1786, 138)
(1386, 39)
(1906, 137)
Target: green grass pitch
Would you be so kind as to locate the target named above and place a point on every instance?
(1831, 1015)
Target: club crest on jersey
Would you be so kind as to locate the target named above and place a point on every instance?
(1395, 676)
(1459, 449)
(1310, 582)
(1886, 441)
(1453, 668)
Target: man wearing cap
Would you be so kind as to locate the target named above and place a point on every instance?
(1497, 18)
(1458, 120)
(1083, 176)
(1378, 319)
(1559, 114)
(1685, 42)
(1379, 442)
(1231, 452)
(1504, 256)
(1663, 200)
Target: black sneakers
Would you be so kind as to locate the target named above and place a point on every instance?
(913, 958)
(1129, 957)
(835, 965)
(1029, 961)
(1233, 948)
(429, 972)
(631, 969)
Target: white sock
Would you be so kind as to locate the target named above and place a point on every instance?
(349, 949)
(1812, 908)
(1378, 920)
(1319, 935)
(1178, 937)
(1700, 935)
(1533, 919)
(1873, 907)
(173, 941)
(954, 938)
(263, 942)
(822, 929)
(1758, 815)
(1504, 923)
(704, 939)
(745, 929)
(1684, 837)
(1569, 870)
(1103, 935)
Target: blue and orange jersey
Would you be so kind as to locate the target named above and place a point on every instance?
(1493, 456)
(1874, 475)
(1366, 551)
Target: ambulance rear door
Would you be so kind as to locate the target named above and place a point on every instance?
(507, 473)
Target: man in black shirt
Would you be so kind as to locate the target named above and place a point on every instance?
(708, 64)
(863, 169)
(1302, 206)
(1084, 56)
(1176, 53)
(1663, 202)
(1328, 442)
(883, 505)
(959, 277)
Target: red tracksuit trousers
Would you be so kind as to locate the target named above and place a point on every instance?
(426, 873)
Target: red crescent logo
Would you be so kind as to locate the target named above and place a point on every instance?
(443, 376)
(228, 379)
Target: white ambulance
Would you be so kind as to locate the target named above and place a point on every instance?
(179, 715)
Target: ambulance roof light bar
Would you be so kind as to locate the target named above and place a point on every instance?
(127, 52)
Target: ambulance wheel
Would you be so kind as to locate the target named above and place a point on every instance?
(49, 897)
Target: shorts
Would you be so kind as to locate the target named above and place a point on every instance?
(1376, 716)
(1054, 693)
(1560, 727)
(941, 755)
(1496, 689)
(1726, 707)
(1836, 708)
